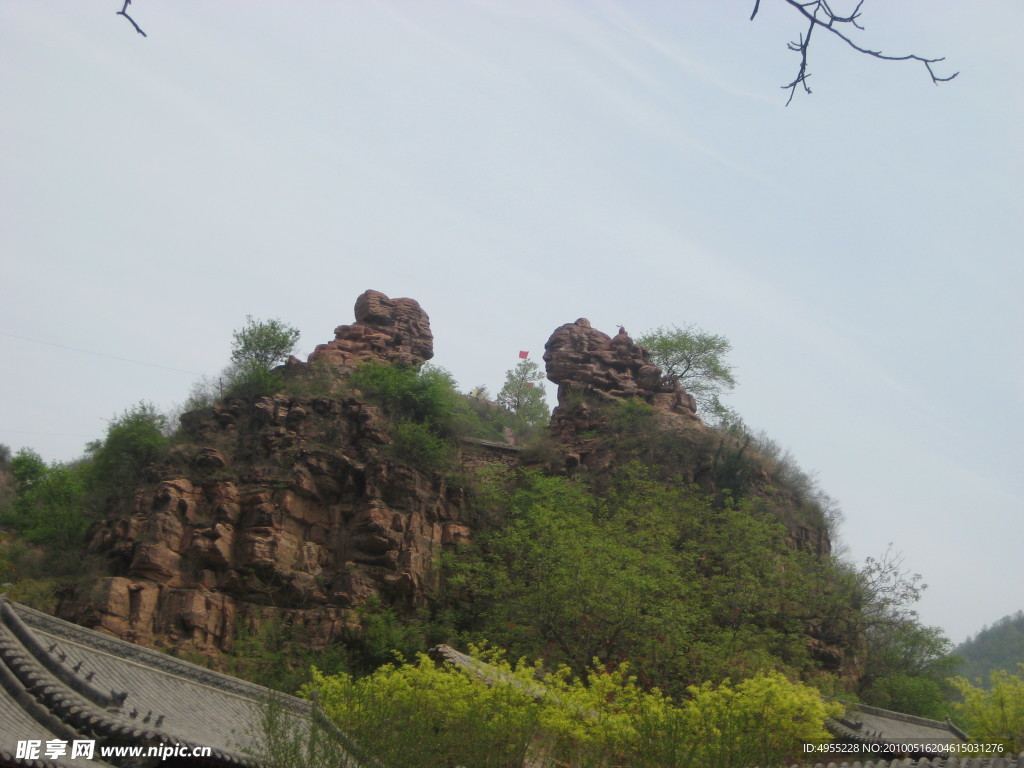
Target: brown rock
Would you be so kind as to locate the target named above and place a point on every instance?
(388, 330)
(314, 516)
(579, 357)
(156, 561)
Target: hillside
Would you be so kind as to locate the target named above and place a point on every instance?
(363, 505)
(1000, 646)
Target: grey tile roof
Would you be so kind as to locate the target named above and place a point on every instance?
(62, 681)
(871, 725)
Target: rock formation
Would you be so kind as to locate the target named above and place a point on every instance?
(579, 357)
(594, 370)
(293, 507)
(389, 330)
(280, 504)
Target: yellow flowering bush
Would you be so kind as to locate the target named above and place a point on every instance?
(500, 715)
(994, 715)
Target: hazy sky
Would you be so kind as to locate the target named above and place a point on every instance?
(516, 164)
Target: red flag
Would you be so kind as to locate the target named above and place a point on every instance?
(523, 354)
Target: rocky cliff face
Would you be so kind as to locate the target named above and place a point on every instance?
(282, 504)
(594, 371)
(292, 507)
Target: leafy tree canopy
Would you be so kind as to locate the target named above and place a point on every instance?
(697, 360)
(650, 571)
(907, 663)
(523, 395)
(257, 348)
(263, 343)
(994, 715)
(1000, 646)
(134, 440)
(48, 506)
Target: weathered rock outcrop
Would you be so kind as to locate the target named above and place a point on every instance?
(593, 371)
(293, 508)
(579, 357)
(282, 504)
(390, 330)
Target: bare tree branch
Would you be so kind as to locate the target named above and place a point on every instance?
(819, 13)
(124, 12)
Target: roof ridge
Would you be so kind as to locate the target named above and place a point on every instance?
(54, 703)
(138, 654)
(55, 666)
(902, 716)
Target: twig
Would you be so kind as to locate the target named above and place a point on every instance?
(819, 13)
(124, 12)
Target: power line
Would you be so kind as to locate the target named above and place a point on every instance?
(47, 434)
(100, 354)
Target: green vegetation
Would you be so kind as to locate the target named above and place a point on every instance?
(54, 504)
(907, 662)
(994, 714)
(429, 414)
(443, 716)
(425, 395)
(696, 359)
(1000, 646)
(686, 589)
(682, 557)
(523, 396)
(134, 440)
(47, 508)
(258, 347)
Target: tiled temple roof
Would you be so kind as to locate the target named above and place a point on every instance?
(62, 681)
(871, 725)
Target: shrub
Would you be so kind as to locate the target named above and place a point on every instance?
(499, 714)
(134, 440)
(48, 507)
(995, 715)
(426, 395)
(415, 444)
(419, 716)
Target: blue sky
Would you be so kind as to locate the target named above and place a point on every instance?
(516, 165)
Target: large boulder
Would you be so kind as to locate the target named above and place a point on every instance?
(387, 330)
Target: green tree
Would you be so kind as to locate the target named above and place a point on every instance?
(994, 715)
(134, 440)
(906, 662)
(522, 394)
(686, 588)
(48, 506)
(425, 395)
(257, 348)
(695, 359)
(263, 343)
